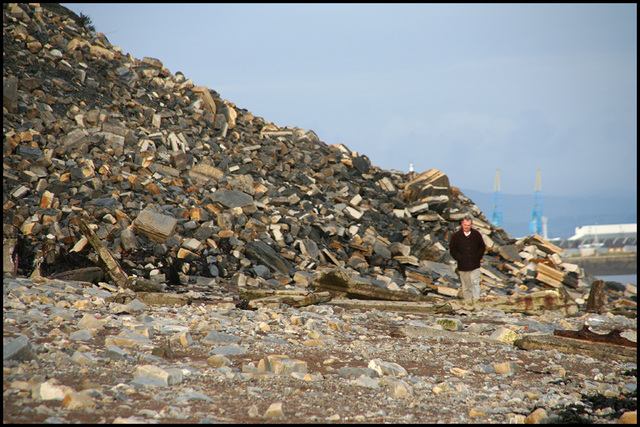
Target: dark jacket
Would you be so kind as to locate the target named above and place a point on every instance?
(468, 251)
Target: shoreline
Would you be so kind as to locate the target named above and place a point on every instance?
(607, 264)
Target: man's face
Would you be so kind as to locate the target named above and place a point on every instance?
(466, 226)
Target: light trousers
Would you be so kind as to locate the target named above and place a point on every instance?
(470, 283)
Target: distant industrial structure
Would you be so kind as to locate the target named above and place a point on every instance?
(496, 215)
(590, 239)
(538, 224)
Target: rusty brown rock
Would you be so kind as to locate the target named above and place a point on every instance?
(597, 297)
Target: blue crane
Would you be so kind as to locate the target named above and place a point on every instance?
(535, 226)
(496, 216)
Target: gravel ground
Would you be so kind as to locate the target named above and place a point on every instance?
(328, 370)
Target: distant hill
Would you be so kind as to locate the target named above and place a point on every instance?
(563, 214)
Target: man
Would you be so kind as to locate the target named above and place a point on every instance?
(467, 248)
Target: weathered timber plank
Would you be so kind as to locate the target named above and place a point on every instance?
(293, 300)
(531, 304)
(547, 270)
(250, 293)
(106, 261)
(338, 283)
(366, 291)
(544, 245)
(573, 346)
(399, 306)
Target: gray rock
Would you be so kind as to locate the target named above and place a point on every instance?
(10, 94)
(264, 254)
(81, 335)
(227, 350)
(357, 372)
(128, 239)
(192, 396)
(19, 348)
(166, 376)
(213, 338)
(116, 353)
(262, 271)
(229, 199)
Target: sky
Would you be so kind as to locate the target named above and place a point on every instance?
(466, 89)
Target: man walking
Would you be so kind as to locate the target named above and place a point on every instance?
(467, 248)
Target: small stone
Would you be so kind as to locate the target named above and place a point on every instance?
(48, 390)
(459, 372)
(477, 413)
(158, 227)
(387, 368)
(116, 353)
(128, 239)
(506, 368)
(399, 390)
(167, 376)
(505, 335)
(536, 416)
(274, 411)
(451, 324)
(218, 360)
(19, 349)
(281, 364)
(89, 321)
(83, 358)
(81, 335)
(78, 400)
(253, 411)
(213, 338)
(183, 338)
(629, 418)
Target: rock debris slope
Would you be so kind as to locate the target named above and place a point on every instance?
(142, 213)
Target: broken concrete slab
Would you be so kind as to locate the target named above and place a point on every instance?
(156, 226)
(531, 304)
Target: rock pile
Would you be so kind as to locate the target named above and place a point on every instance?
(178, 183)
(131, 186)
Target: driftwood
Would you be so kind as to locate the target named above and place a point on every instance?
(398, 306)
(573, 346)
(340, 284)
(105, 260)
(292, 298)
(585, 334)
(531, 304)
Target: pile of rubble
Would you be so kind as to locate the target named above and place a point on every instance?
(117, 170)
(161, 246)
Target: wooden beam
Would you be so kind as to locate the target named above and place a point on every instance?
(573, 346)
(340, 284)
(394, 306)
(533, 303)
(291, 298)
(105, 260)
